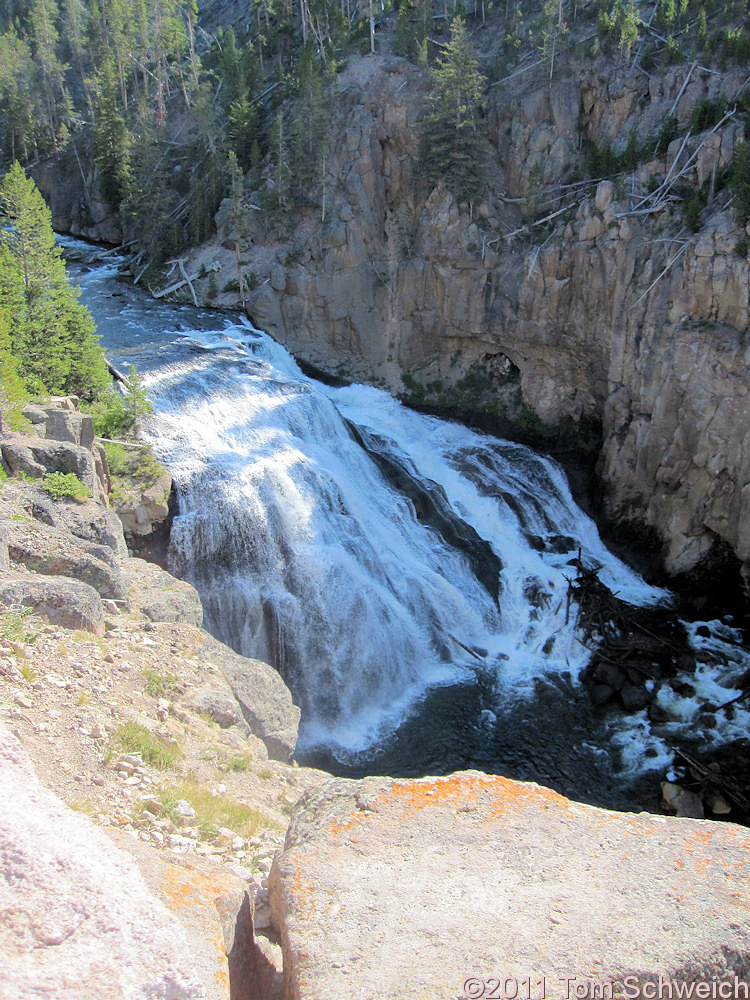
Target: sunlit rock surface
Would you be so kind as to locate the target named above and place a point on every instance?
(401, 889)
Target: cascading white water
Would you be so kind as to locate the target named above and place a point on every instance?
(366, 550)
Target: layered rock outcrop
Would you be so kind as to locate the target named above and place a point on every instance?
(67, 561)
(619, 316)
(461, 886)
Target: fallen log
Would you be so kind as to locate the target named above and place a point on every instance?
(176, 286)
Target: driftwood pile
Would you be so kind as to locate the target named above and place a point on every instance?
(632, 646)
(721, 781)
(635, 651)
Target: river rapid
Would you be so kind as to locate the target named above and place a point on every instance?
(406, 575)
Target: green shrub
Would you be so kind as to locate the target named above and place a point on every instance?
(707, 113)
(132, 469)
(117, 458)
(693, 205)
(114, 414)
(667, 133)
(65, 486)
(159, 685)
(240, 762)
(111, 414)
(738, 45)
(12, 624)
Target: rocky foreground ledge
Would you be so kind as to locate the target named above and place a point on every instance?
(477, 886)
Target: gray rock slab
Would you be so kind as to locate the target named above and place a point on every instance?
(219, 706)
(77, 921)
(432, 888)
(37, 456)
(88, 521)
(159, 595)
(264, 698)
(56, 552)
(61, 601)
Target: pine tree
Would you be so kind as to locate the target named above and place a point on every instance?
(279, 144)
(52, 334)
(452, 142)
(308, 141)
(552, 29)
(51, 70)
(111, 138)
(16, 74)
(242, 128)
(237, 217)
(12, 389)
(739, 182)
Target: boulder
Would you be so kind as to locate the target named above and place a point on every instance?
(142, 515)
(211, 904)
(264, 698)
(159, 595)
(682, 800)
(87, 521)
(55, 552)
(218, 705)
(62, 601)
(36, 456)
(396, 889)
(77, 921)
(64, 425)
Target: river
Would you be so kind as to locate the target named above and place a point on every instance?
(407, 576)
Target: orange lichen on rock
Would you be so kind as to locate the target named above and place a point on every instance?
(394, 888)
(188, 888)
(490, 796)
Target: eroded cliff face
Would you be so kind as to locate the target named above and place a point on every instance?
(619, 316)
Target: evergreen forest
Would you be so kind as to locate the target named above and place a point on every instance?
(180, 111)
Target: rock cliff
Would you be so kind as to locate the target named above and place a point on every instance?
(615, 316)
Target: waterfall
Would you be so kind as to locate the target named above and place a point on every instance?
(365, 550)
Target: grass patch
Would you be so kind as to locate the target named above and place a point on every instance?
(13, 625)
(265, 774)
(240, 762)
(132, 737)
(159, 685)
(237, 762)
(212, 811)
(85, 806)
(27, 672)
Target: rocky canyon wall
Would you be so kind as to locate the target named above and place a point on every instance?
(618, 315)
